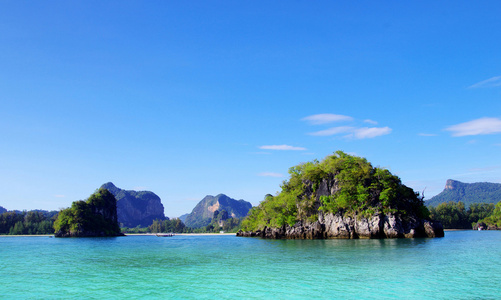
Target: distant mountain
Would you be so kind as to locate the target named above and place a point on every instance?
(136, 208)
(468, 193)
(204, 211)
(2, 210)
(183, 217)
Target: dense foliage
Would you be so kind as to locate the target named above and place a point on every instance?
(455, 215)
(360, 190)
(95, 217)
(174, 225)
(27, 222)
(494, 220)
(468, 193)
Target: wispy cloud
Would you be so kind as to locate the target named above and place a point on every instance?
(334, 131)
(369, 121)
(353, 132)
(371, 132)
(326, 118)
(59, 196)
(480, 126)
(491, 82)
(270, 174)
(282, 147)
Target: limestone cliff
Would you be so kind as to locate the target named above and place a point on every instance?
(204, 211)
(136, 207)
(338, 226)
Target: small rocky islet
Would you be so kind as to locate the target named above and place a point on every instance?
(343, 196)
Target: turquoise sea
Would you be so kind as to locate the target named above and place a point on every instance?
(462, 265)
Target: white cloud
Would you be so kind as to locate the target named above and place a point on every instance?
(480, 126)
(270, 174)
(326, 118)
(282, 147)
(491, 82)
(333, 131)
(369, 121)
(353, 132)
(368, 133)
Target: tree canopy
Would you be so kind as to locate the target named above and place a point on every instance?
(494, 220)
(97, 216)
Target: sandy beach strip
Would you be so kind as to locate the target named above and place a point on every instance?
(183, 234)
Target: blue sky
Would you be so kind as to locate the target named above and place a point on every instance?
(195, 98)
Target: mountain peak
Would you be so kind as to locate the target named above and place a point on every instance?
(136, 208)
(204, 211)
(451, 184)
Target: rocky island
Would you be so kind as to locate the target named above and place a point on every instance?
(343, 196)
(95, 217)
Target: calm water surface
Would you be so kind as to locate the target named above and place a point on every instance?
(462, 265)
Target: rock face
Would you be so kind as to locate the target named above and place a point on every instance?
(136, 208)
(331, 226)
(204, 211)
(468, 193)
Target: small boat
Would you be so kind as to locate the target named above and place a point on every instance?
(165, 234)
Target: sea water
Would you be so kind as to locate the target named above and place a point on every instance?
(462, 265)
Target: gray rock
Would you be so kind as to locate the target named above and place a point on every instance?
(331, 226)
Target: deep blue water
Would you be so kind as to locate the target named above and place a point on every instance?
(462, 265)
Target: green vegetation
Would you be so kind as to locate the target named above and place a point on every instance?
(350, 186)
(31, 222)
(454, 215)
(95, 217)
(220, 222)
(494, 220)
(174, 225)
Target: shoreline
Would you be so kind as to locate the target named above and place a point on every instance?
(175, 234)
(183, 234)
(126, 234)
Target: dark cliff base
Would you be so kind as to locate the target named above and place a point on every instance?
(86, 234)
(336, 226)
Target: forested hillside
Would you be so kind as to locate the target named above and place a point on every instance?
(468, 193)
